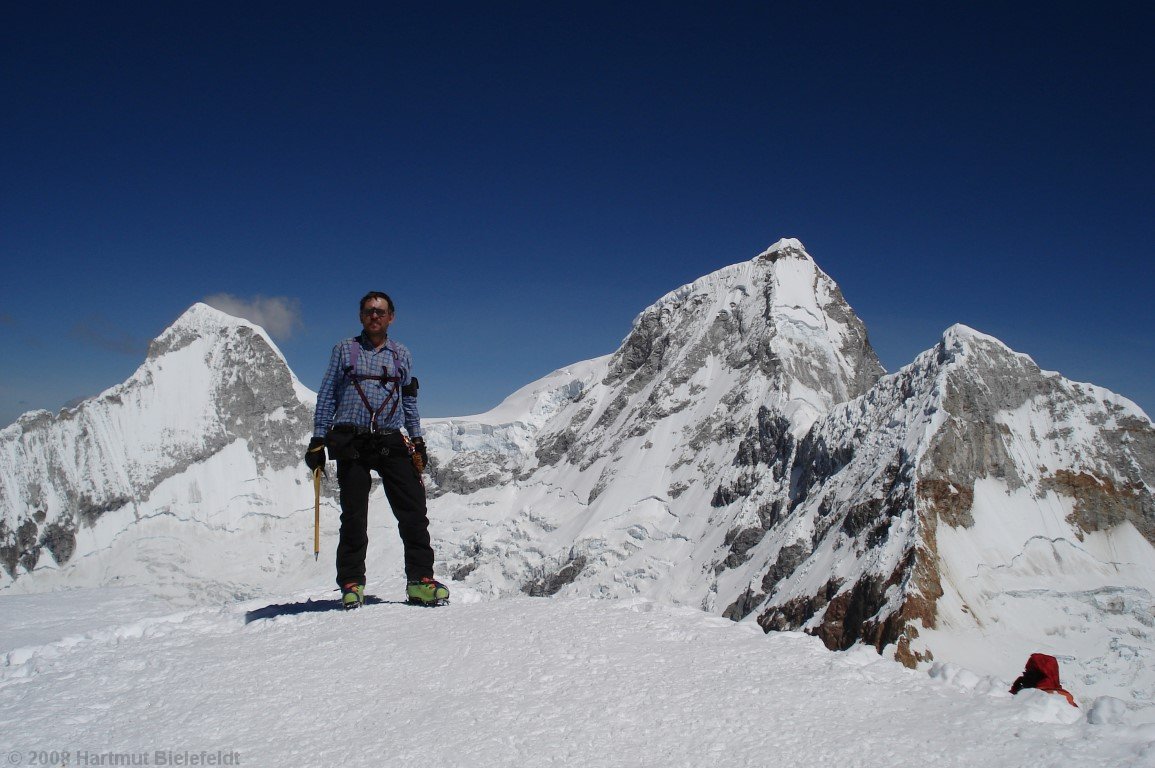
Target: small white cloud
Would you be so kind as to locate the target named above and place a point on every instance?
(279, 315)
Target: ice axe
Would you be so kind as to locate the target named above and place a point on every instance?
(316, 514)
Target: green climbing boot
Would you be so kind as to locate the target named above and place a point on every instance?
(427, 591)
(352, 596)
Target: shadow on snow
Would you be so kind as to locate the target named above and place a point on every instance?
(308, 606)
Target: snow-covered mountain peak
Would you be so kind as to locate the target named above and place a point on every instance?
(695, 369)
(699, 361)
(959, 334)
(961, 342)
(783, 318)
(201, 316)
(206, 421)
(728, 286)
(631, 453)
(786, 246)
(200, 321)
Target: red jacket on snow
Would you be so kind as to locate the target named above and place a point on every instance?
(1042, 672)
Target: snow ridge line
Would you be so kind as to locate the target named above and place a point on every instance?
(24, 663)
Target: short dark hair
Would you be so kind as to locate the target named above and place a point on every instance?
(377, 295)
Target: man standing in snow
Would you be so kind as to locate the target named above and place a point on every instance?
(367, 395)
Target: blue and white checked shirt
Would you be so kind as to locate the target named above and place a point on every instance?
(339, 403)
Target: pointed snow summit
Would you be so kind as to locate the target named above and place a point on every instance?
(776, 322)
(773, 331)
(617, 483)
(194, 436)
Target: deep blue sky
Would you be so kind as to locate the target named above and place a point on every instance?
(525, 177)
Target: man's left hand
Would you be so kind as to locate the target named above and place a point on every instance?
(420, 454)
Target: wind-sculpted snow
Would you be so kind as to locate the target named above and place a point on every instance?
(518, 682)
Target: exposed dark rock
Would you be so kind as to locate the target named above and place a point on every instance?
(642, 352)
(737, 489)
(848, 615)
(815, 462)
(254, 383)
(552, 447)
(789, 558)
(711, 431)
(770, 514)
(825, 519)
(952, 503)
(792, 614)
(843, 623)
(766, 448)
(1101, 504)
(552, 583)
(770, 442)
(619, 403)
(60, 540)
(26, 535)
(88, 510)
(743, 606)
(741, 541)
(880, 532)
(9, 552)
(861, 516)
(865, 368)
(876, 512)
(461, 572)
(467, 473)
(971, 443)
(19, 547)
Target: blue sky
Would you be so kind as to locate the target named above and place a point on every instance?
(524, 178)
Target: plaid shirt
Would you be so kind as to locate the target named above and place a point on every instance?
(339, 403)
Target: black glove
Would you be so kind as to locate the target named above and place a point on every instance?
(315, 456)
(420, 454)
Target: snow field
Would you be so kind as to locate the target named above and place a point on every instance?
(518, 682)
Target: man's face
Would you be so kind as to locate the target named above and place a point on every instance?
(375, 316)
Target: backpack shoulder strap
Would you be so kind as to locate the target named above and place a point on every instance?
(354, 347)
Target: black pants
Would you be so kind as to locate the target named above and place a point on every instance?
(388, 457)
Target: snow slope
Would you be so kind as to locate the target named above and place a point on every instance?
(512, 682)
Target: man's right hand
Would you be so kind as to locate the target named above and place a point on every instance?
(315, 455)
